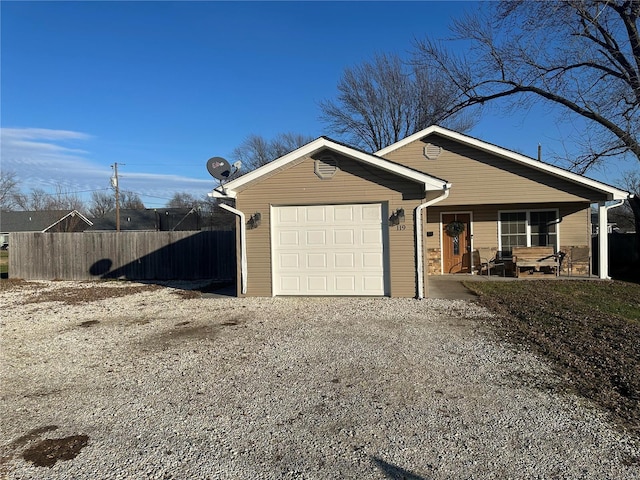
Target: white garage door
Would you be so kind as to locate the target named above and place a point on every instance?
(328, 250)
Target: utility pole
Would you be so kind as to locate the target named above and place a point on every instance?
(116, 187)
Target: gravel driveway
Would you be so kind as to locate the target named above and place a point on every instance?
(156, 385)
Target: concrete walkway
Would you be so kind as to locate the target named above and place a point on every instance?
(449, 287)
(438, 286)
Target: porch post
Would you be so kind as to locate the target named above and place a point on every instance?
(603, 242)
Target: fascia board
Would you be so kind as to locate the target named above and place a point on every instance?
(612, 192)
(410, 139)
(230, 189)
(429, 182)
(307, 149)
(72, 213)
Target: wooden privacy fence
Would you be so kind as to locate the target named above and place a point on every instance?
(129, 255)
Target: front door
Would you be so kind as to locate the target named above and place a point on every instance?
(456, 242)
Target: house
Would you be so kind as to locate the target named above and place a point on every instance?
(329, 219)
(44, 221)
(162, 219)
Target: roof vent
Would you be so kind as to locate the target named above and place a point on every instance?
(432, 151)
(326, 166)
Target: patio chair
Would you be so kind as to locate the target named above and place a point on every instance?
(579, 255)
(486, 261)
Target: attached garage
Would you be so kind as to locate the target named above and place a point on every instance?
(330, 220)
(329, 250)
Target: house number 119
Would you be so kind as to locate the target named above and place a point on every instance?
(400, 227)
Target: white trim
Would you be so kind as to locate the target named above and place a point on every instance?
(243, 246)
(419, 244)
(603, 239)
(527, 213)
(441, 228)
(230, 190)
(384, 245)
(611, 192)
(72, 213)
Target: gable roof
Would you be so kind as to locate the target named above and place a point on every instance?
(150, 219)
(36, 221)
(230, 189)
(612, 193)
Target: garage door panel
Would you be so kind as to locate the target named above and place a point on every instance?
(344, 260)
(343, 237)
(329, 250)
(371, 237)
(289, 237)
(316, 214)
(317, 260)
(346, 283)
(372, 283)
(289, 283)
(371, 212)
(289, 260)
(372, 260)
(288, 216)
(317, 284)
(316, 237)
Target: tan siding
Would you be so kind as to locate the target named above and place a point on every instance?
(353, 183)
(479, 177)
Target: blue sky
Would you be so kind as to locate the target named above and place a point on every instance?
(160, 87)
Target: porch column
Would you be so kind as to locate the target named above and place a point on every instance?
(603, 242)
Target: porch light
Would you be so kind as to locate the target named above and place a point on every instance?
(254, 221)
(396, 217)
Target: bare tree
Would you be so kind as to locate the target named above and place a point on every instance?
(385, 100)
(631, 208)
(39, 199)
(256, 151)
(183, 200)
(130, 200)
(583, 55)
(101, 203)
(9, 190)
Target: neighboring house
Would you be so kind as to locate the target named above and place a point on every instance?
(164, 220)
(595, 227)
(150, 219)
(329, 219)
(44, 221)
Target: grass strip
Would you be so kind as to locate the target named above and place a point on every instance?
(589, 330)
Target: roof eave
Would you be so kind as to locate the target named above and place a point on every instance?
(612, 193)
(230, 190)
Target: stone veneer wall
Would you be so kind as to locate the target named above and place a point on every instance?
(433, 261)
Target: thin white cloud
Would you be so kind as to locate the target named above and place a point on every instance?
(41, 134)
(44, 158)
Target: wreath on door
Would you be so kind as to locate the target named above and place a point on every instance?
(455, 228)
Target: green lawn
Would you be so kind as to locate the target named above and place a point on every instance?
(589, 330)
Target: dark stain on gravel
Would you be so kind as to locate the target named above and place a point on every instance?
(89, 292)
(88, 323)
(8, 452)
(187, 330)
(47, 452)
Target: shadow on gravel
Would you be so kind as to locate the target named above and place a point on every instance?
(395, 473)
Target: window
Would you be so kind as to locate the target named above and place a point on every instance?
(543, 228)
(514, 230)
(535, 228)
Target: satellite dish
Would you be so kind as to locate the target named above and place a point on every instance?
(219, 168)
